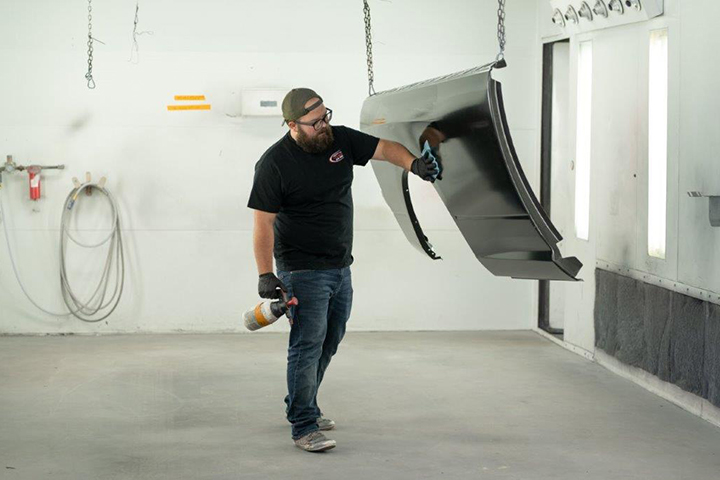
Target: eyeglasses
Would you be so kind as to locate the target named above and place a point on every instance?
(316, 124)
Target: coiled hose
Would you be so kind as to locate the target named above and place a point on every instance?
(99, 302)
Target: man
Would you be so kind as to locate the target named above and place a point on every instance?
(303, 206)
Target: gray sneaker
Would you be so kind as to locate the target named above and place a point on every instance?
(315, 442)
(325, 423)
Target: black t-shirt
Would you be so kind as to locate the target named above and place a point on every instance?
(311, 194)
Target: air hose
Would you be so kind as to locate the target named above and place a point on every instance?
(99, 305)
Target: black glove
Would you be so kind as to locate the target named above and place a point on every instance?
(427, 166)
(269, 286)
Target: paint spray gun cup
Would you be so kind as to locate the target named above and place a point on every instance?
(267, 312)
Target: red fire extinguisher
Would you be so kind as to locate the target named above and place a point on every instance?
(34, 174)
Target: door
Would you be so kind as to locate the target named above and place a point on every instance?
(555, 186)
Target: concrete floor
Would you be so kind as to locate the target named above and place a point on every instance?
(506, 405)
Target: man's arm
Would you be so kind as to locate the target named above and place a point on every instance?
(394, 153)
(264, 240)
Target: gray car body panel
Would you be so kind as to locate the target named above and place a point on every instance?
(483, 186)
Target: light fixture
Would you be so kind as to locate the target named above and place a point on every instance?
(616, 6)
(657, 142)
(583, 139)
(558, 18)
(633, 4)
(571, 15)
(585, 12)
(600, 9)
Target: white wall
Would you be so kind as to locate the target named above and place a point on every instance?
(618, 230)
(182, 178)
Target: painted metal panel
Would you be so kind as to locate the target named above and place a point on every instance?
(484, 187)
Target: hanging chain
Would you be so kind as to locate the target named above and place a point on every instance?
(88, 75)
(501, 30)
(368, 48)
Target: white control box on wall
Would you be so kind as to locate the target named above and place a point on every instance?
(262, 103)
(577, 16)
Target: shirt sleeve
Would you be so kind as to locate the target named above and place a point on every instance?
(266, 193)
(362, 144)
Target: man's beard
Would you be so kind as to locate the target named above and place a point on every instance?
(317, 144)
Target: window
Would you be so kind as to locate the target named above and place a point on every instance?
(582, 149)
(657, 142)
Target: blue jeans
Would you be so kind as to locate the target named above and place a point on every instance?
(318, 326)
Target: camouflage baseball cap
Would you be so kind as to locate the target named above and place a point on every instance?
(293, 106)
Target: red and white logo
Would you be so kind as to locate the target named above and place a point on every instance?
(337, 157)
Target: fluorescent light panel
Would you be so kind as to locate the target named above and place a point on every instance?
(657, 143)
(583, 146)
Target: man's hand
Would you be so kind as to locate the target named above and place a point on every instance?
(269, 286)
(427, 166)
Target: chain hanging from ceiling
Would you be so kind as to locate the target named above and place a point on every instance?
(368, 48)
(89, 74)
(368, 41)
(501, 30)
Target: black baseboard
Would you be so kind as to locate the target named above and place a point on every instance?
(671, 335)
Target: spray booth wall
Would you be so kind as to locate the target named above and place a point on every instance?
(182, 178)
(618, 235)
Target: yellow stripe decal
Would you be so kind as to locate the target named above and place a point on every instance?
(189, 97)
(189, 107)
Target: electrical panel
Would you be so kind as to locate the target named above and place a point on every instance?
(576, 16)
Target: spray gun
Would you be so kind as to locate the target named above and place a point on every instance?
(33, 174)
(267, 312)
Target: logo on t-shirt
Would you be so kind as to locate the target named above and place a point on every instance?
(337, 157)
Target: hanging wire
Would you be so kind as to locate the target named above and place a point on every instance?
(368, 48)
(135, 49)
